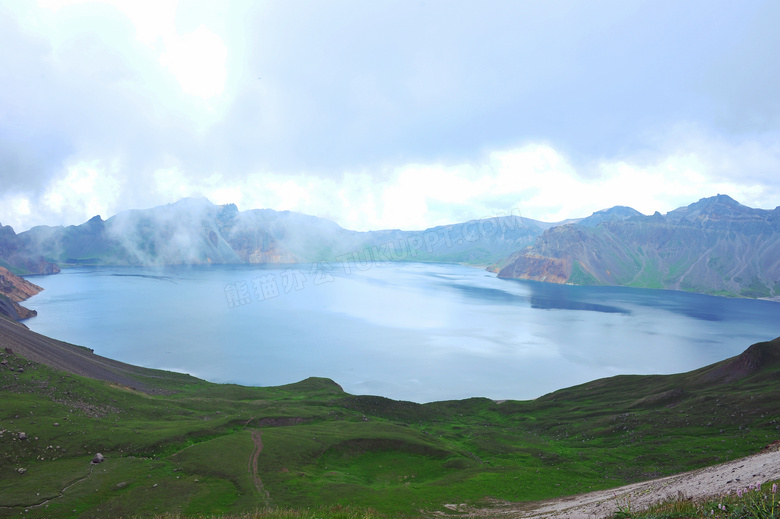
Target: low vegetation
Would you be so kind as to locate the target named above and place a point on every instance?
(189, 448)
(754, 501)
(322, 512)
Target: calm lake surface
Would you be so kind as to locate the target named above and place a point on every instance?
(411, 331)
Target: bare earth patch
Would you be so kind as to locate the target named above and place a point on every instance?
(258, 448)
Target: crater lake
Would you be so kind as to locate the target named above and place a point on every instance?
(409, 331)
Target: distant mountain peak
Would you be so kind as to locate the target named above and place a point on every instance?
(725, 198)
(193, 201)
(613, 214)
(619, 209)
(714, 206)
(719, 200)
(7, 230)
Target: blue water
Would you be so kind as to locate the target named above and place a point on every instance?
(411, 331)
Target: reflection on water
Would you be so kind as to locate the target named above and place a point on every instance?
(148, 276)
(411, 331)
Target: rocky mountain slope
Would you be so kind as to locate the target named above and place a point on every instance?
(19, 259)
(14, 289)
(78, 360)
(194, 231)
(714, 246)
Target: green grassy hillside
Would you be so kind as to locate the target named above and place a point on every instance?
(186, 446)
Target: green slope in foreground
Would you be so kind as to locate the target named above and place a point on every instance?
(185, 446)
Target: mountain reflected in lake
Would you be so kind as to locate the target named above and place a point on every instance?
(409, 331)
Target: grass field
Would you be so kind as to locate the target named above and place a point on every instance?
(320, 452)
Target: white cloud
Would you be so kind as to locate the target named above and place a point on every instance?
(535, 179)
(198, 60)
(154, 20)
(83, 190)
(274, 106)
(172, 184)
(20, 208)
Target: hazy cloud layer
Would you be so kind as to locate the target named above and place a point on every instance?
(386, 114)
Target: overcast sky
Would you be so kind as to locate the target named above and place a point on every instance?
(399, 114)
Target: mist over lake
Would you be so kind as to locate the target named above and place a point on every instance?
(411, 331)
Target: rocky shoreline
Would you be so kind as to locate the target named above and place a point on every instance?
(14, 290)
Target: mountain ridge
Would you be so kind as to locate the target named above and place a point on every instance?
(195, 231)
(714, 246)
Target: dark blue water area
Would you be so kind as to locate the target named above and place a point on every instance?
(412, 331)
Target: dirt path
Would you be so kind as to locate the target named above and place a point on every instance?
(701, 483)
(256, 438)
(61, 493)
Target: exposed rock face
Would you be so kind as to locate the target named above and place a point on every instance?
(43, 267)
(538, 268)
(715, 246)
(12, 290)
(16, 288)
(14, 311)
(98, 458)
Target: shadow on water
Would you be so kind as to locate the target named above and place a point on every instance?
(490, 295)
(572, 297)
(544, 297)
(551, 296)
(697, 306)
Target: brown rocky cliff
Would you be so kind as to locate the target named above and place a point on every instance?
(538, 268)
(15, 289)
(550, 259)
